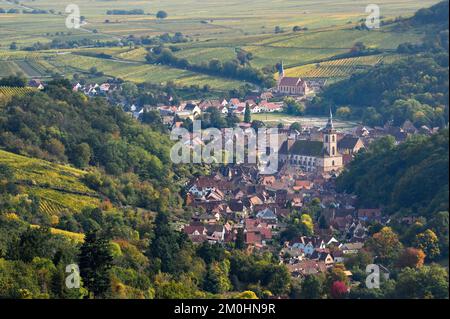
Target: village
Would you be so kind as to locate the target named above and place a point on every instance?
(296, 213)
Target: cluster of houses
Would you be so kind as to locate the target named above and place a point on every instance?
(92, 89)
(95, 89)
(400, 133)
(236, 202)
(194, 109)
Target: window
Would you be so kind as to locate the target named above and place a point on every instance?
(332, 163)
(333, 138)
(326, 138)
(333, 151)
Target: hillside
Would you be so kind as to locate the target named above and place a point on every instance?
(414, 86)
(411, 178)
(59, 188)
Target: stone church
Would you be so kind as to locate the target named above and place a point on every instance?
(320, 156)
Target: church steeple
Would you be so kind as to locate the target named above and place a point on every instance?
(330, 125)
(281, 70)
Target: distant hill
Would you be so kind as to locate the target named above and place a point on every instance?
(413, 88)
(435, 14)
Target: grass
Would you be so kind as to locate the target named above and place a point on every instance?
(58, 186)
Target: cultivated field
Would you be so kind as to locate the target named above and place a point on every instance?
(215, 29)
(339, 68)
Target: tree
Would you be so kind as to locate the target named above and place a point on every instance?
(308, 223)
(82, 155)
(217, 280)
(13, 46)
(244, 57)
(95, 262)
(358, 47)
(385, 245)
(129, 90)
(13, 81)
(411, 257)
(248, 294)
(168, 288)
(359, 260)
(164, 248)
(311, 287)
(161, 14)
(323, 224)
(338, 290)
(247, 114)
(34, 242)
(440, 226)
(337, 273)
(293, 107)
(256, 124)
(296, 126)
(279, 279)
(344, 112)
(429, 243)
(425, 282)
(240, 239)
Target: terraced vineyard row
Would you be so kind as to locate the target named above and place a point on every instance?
(338, 68)
(77, 237)
(20, 55)
(6, 91)
(50, 207)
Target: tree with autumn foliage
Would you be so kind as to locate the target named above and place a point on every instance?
(411, 257)
(385, 245)
(429, 243)
(337, 273)
(338, 290)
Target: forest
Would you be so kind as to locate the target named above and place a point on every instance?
(411, 178)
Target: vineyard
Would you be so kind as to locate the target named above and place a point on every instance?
(21, 55)
(338, 68)
(58, 187)
(50, 207)
(7, 92)
(77, 237)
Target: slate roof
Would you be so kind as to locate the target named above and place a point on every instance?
(347, 142)
(307, 148)
(290, 81)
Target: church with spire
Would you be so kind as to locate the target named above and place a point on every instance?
(313, 156)
(293, 86)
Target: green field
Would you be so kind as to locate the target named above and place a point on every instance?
(215, 29)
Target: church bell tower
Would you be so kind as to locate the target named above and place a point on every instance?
(330, 137)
